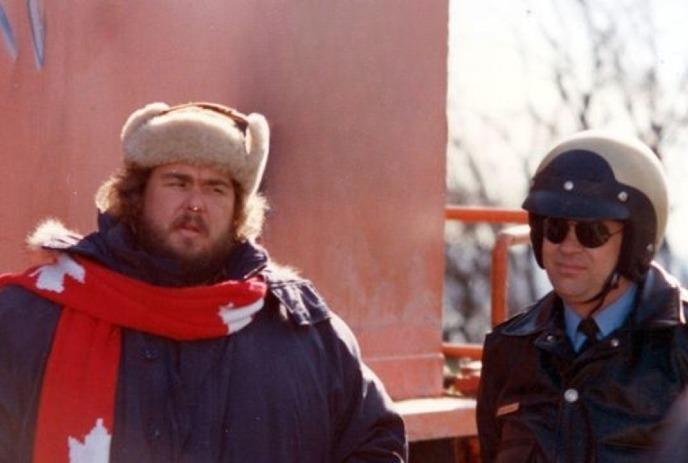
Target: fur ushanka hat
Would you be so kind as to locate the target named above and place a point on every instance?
(204, 134)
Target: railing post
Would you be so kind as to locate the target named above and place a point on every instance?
(499, 276)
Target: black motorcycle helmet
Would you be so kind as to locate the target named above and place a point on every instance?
(597, 176)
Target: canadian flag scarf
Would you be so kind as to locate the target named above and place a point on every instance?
(76, 410)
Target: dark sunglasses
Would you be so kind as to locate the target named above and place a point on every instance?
(591, 234)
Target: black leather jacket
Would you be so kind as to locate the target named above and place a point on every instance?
(539, 402)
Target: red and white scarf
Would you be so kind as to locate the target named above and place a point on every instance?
(76, 410)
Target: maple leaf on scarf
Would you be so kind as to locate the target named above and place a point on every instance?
(94, 449)
(51, 277)
(237, 318)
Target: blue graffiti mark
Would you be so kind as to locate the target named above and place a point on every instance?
(7, 34)
(37, 30)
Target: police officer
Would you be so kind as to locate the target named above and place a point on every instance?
(589, 372)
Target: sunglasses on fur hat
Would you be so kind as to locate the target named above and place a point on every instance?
(591, 234)
(238, 118)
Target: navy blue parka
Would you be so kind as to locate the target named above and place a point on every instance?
(288, 388)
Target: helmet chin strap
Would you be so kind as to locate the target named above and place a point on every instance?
(610, 284)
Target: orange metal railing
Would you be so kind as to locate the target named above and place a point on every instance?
(499, 273)
(485, 214)
(499, 278)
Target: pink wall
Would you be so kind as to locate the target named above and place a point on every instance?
(355, 93)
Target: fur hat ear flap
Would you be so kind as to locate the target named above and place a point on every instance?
(257, 148)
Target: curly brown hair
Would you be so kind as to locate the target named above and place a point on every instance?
(122, 197)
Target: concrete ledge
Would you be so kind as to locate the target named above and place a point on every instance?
(438, 417)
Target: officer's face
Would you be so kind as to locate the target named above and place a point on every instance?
(577, 272)
(189, 210)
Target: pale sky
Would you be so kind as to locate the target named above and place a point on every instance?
(488, 77)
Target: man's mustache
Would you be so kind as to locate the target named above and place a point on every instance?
(193, 220)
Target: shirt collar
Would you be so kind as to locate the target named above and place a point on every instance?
(608, 319)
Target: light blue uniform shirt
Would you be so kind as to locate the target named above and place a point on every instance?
(607, 319)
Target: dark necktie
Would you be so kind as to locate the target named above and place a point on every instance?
(590, 329)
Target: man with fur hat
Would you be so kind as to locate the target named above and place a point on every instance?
(589, 372)
(169, 335)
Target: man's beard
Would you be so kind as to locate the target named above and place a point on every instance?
(203, 267)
